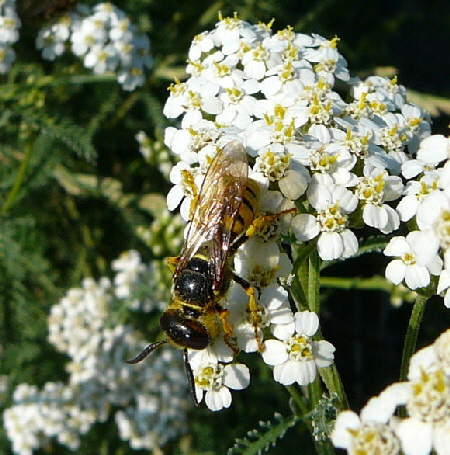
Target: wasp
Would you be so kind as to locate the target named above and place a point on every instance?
(224, 214)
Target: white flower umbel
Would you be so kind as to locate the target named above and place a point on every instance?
(9, 34)
(296, 356)
(151, 399)
(426, 399)
(428, 407)
(105, 38)
(213, 381)
(128, 266)
(414, 263)
(372, 432)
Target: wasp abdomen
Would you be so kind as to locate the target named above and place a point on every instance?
(183, 331)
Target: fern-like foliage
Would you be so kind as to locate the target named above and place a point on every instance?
(75, 138)
(262, 439)
(324, 416)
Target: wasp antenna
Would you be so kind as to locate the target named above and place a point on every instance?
(147, 351)
(190, 377)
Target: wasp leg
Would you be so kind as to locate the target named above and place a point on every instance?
(189, 181)
(252, 307)
(227, 328)
(190, 377)
(260, 221)
(172, 262)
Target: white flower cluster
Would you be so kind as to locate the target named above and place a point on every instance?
(426, 200)
(150, 399)
(340, 161)
(106, 40)
(9, 33)
(426, 398)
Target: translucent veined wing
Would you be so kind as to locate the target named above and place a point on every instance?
(218, 204)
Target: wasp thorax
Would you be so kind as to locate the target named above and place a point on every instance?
(193, 284)
(184, 331)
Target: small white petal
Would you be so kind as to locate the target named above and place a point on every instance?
(395, 271)
(397, 247)
(444, 281)
(305, 372)
(416, 277)
(441, 440)
(306, 323)
(330, 246)
(305, 227)
(375, 216)
(287, 373)
(218, 400)
(293, 185)
(341, 437)
(350, 243)
(416, 436)
(382, 407)
(323, 352)
(236, 376)
(275, 352)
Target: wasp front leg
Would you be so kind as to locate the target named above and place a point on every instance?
(227, 328)
(263, 220)
(252, 307)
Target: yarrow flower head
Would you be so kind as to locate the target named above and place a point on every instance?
(149, 403)
(105, 38)
(426, 398)
(342, 162)
(274, 92)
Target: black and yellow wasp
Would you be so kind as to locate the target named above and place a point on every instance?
(224, 215)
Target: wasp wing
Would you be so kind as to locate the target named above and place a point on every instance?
(218, 203)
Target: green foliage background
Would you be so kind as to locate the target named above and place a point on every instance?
(74, 187)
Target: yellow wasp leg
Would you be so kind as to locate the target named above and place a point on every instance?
(259, 222)
(252, 307)
(189, 182)
(227, 328)
(172, 263)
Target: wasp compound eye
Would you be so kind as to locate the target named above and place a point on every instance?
(184, 331)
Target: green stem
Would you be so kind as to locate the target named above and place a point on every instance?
(314, 282)
(376, 283)
(301, 272)
(12, 195)
(313, 294)
(412, 333)
(299, 401)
